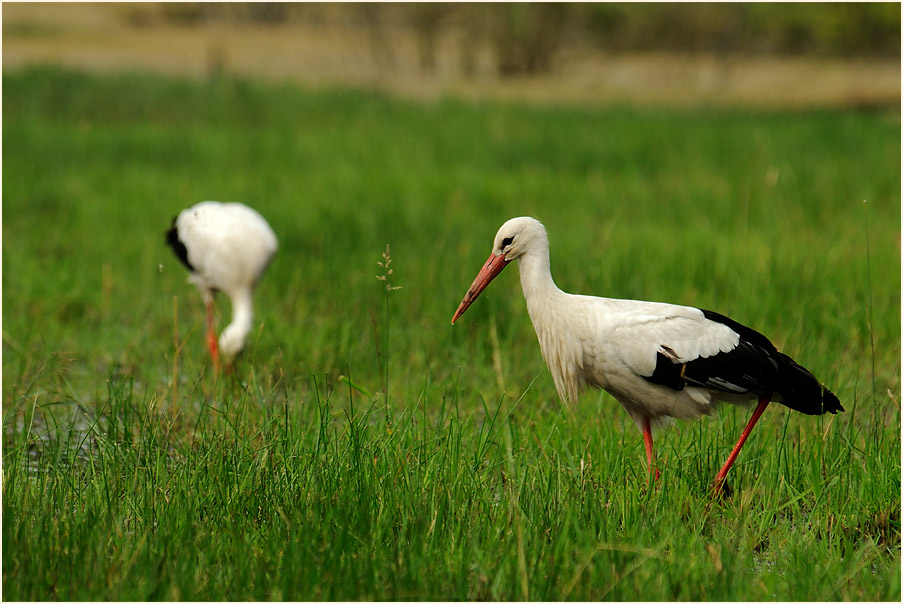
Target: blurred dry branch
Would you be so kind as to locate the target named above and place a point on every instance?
(535, 29)
(526, 36)
(764, 53)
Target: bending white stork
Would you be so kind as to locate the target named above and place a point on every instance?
(227, 247)
(658, 360)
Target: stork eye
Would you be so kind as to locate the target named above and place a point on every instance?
(507, 241)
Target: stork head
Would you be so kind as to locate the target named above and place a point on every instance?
(514, 239)
(232, 342)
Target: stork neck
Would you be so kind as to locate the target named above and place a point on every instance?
(242, 311)
(233, 337)
(536, 276)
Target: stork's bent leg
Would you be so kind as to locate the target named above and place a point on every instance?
(211, 335)
(647, 440)
(760, 409)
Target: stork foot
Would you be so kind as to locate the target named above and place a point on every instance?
(721, 490)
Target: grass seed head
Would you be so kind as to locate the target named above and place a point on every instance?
(387, 260)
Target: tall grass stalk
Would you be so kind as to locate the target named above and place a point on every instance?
(868, 272)
(385, 264)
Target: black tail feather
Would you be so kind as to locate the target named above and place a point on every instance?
(765, 369)
(801, 391)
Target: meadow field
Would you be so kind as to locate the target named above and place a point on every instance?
(364, 448)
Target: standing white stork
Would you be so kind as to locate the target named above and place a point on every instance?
(226, 246)
(658, 360)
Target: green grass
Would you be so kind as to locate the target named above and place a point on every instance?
(366, 449)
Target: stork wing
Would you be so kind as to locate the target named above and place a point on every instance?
(678, 346)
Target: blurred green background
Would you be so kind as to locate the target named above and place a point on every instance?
(712, 155)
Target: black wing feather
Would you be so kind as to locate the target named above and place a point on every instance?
(753, 367)
(172, 238)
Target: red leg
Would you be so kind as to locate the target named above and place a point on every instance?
(211, 336)
(760, 409)
(647, 440)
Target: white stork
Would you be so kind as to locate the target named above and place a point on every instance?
(657, 360)
(226, 246)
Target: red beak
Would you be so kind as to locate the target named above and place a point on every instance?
(490, 271)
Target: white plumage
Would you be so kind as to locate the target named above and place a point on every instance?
(227, 247)
(658, 360)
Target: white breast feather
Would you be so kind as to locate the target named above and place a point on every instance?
(562, 347)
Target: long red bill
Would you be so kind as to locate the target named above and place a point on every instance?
(490, 271)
